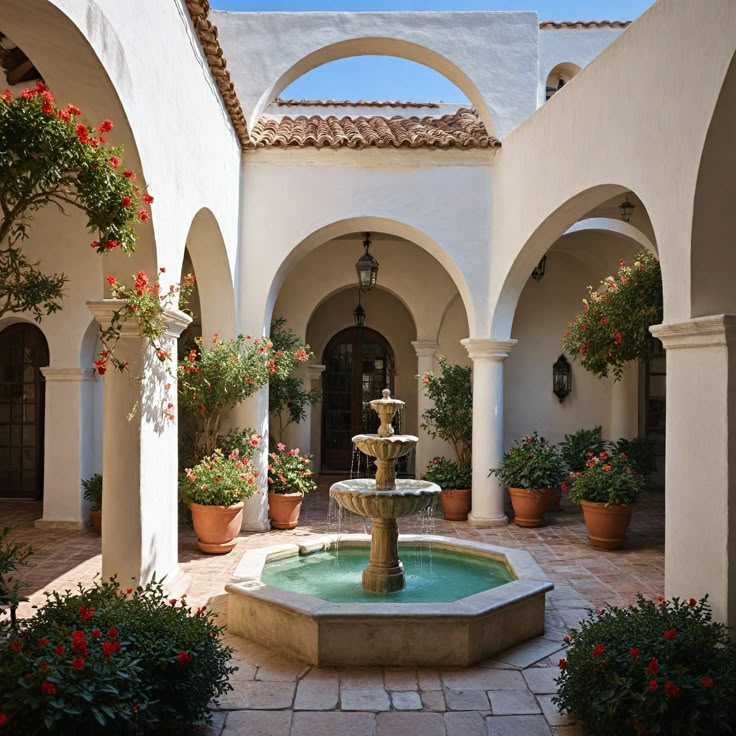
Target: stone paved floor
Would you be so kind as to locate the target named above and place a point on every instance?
(508, 696)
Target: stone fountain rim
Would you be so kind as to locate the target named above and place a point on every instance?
(423, 488)
(406, 438)
(529, 581)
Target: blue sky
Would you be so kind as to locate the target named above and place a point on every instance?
(388, 78)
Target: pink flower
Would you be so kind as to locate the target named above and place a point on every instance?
(281, 446)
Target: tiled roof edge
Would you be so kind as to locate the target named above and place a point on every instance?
(584, 24)
(352, 103)
(207, 34)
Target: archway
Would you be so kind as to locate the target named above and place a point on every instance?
(23, 352)
(559, 76)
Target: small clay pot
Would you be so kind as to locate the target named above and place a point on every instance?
(96, 516)
(217, 527)
(606, 524)
(455, 503)
(284, 509)
(529, 506)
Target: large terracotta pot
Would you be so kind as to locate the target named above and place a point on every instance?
(284, 508)
(607, 525)
(96, 516)
(455, 503)
(217, 527)
(529, 506)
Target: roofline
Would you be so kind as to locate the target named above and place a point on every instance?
(587, 24)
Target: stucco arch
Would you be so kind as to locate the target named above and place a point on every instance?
(562, 72)
(617, 227)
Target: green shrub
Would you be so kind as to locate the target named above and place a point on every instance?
(531, 463)
(448, 474)
(640, 452)
(654, 668)
(13, 555)
(607, 478)
(108, 661)
(576, 446)
(92, 487)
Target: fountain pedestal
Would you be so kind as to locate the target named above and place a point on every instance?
(385, 573)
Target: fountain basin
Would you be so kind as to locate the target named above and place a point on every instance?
(385, 448)
(386, 633)
(408, 498)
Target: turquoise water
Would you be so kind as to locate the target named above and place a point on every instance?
(436, 576)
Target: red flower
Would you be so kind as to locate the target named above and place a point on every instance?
(73, 110)
(692, 602)
(671, 689)
(660, 598)
(563, 486)
(43, 642)
(618, 339)
(17, 645)
(604, 320)
(562, 664)
(148, 199)
(86, 613)
(78, 663)
(143, 215)
(47, 108)
(127, 201)
(129, 175)
(110, 647)
(706, 681)
(599, 650)
(634, 652)
(670, 634)
(48, 688)
(105, 126)
(652, 685)
(42, 666)
(82, 133)
(3, 719)
(134, 707)
(113, 632)
(184, 658)
(129, 591)
(172, 601)
(96, 633)
(59, 650)
(653, 666)
(114, 161)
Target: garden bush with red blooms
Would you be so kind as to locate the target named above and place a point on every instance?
(608, 477)
(221, 480)
(659, 667)
(289, 472)
(111, 661)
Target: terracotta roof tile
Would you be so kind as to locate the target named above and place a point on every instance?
(207, 33)
(584, 24)
(351, 103)
(462, 129)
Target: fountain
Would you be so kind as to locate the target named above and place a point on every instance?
(385, 499)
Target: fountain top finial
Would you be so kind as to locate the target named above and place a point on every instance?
(386, 408)
(386, 393)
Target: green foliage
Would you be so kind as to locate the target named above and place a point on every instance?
(287, 398)
(531, 463)
(450, 418)
(655, 668)
(220, 480)
(105, 661)
(13, 555)
(640, 452)
(607, 478)
(614, 326)
(48, 157)
(289, 472)
(92, 487)
(448, 474)
(576, 446)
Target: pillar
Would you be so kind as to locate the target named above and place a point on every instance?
(425, 349)
(64, 466)
(700, 490)
(314, 416)
(139, 458)
(624, 420)
(488, 495)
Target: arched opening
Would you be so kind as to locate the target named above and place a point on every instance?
(559, 76)
(23, 352)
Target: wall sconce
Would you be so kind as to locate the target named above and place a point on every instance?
(626, 208)
(561, 378)
(539, 269)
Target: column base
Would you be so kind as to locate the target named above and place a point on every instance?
(256, 526)
(384, 580)
(52, 524)
(177, 583)
(481, 522)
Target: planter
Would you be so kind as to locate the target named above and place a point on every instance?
(284, 508)
(607, 525)
(217, 527)
(455, 503)
(529, 506)
(96, 516)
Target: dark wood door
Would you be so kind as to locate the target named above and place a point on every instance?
(359, 364)
(23, 351)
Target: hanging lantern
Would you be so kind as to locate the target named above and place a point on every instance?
(367, 267)
(561, 378)
(359, 315)
(626, 208)
(539, 269)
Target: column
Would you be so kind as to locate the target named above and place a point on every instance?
(624, 421)
(427, 448)
(63, 504)
(314, 416)
(488, 495)
(139, 459)
(700, 497)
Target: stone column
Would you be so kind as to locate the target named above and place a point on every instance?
(425, 349)
(314, 420)
(63, 504)
(488, 495)
(624, 421)
(700, 497)
(139, 458)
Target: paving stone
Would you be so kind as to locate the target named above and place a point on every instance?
(518, 726)
(541, 680)
(258, 723)
(408, 724)
(466, 699)
(259, 696)
(529, 652)
(433, 700)
(331, 724)
(213, 729)
(429, 680)
(513, 703)
(406, 700)
(317, 691)
(281, 669)
(373, 699)
(366, 678)
(400, 679)
(465, 724)
(483, 679)
(553, 716)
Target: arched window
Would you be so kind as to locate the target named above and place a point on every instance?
(560, 76)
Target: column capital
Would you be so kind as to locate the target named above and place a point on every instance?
(487, 348)
(315, 370)
(425, 348)
(67, 374)
(104, 309)
(718, 330)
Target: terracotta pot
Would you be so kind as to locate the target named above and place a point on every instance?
(529, 506)
(217, 527)
(284, 508)
(607, 525)
(96, 516)
(553, 496)
(455, 503)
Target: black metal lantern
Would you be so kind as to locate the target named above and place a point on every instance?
(561, 378)
(367, 267)
(539, 269)
(626, 208)
(359, 315)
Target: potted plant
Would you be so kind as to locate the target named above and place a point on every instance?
(531, 470)
(93, 493)
(289, 478)
(216, 487)
(606, 490)
(450, 418)
(575, 448)
(455, 481)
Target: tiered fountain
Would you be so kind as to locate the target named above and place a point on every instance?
(385, 499)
